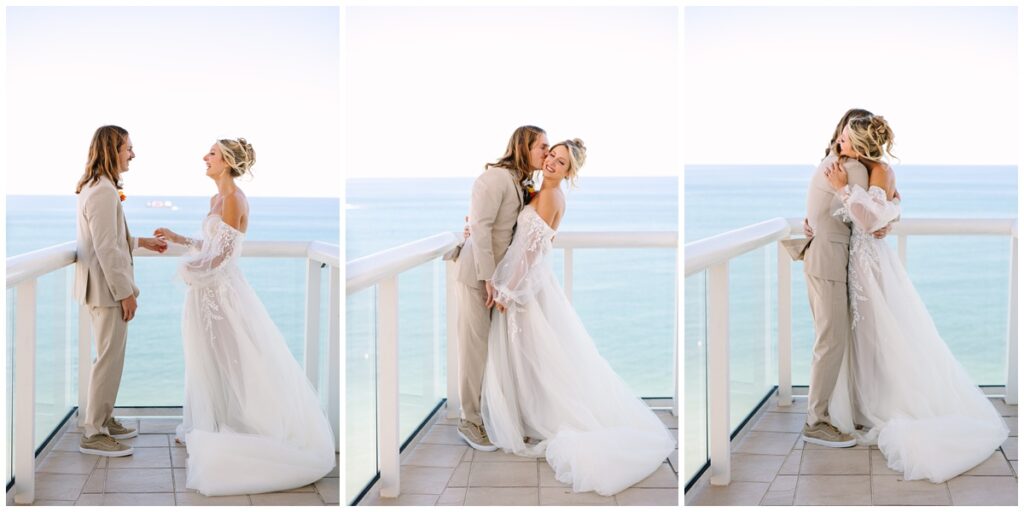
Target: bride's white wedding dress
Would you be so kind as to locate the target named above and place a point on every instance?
(252, 422)
(545, 379)
(899, 379)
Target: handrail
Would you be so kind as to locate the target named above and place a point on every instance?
(24, 267)
(703, 254)
(363, 272)
(944, 226)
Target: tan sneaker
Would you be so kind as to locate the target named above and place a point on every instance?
(826, 435)
(104, 446)
(119, 431)
(475, 436)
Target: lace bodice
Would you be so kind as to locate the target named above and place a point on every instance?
(516, 278)
(211, 257)
(869, 210)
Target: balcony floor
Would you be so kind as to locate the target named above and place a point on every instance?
(772, 466)
(153, 475)
(438, 468)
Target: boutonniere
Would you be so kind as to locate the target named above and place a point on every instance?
(528, 190)
(120, 191)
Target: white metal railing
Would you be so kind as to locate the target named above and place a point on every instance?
(23, 272)
(713, 254)
(383, 268)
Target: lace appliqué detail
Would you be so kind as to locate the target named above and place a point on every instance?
(864, 256)
(210, 310)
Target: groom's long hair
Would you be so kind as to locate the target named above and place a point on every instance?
(517, 154)
(106, 143)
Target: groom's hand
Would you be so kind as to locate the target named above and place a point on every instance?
(153, 244)
(880, 234)
(490, 294)
(808, 232)
(128, 307)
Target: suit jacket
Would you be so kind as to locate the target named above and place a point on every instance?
(828, 253)
(104, 270)
(494, 206)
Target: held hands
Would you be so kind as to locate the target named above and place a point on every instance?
(154, 244)
(489, 303)
(836, 175)
(166, 235)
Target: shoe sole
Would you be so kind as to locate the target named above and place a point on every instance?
(830, 444)
(105, 453)
(129, 435)
(480, 447)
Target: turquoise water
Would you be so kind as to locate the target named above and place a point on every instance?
(153, 373)
(625, 297)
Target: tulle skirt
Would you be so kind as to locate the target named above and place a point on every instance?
(545, 379)
(252, 422)
(901, 382)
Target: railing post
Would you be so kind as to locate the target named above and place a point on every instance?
(785, 327)
(334, 356)
(452, 340)
(387, 385)
(675, 340)
(567, 274)
(1011, 331)
(84, 361)
(25, 393)
(718, 373)
(311, 355)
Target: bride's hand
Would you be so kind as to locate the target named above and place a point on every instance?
(167, 235)
(501, 307)
(836, 175)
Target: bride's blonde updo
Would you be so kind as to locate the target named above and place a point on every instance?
(238, 154)
(577, 157)
(871, 136)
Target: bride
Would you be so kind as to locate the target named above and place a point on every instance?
(544, 379)
(252, 422)
(900, 387)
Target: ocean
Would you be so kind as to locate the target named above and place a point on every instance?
(963, 280)
(625, 297)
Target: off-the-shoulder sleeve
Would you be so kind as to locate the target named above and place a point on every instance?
(869, 210)
(209, 259)
(516, 279)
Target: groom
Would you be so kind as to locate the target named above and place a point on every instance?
(826, 256)
(497, 199)
(105, 284)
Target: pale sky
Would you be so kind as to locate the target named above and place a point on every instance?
(768, 85)
(438, 91)
(177, 78)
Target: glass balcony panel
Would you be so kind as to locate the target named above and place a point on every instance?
(54, 354)
(421, 342)
(695, 387)
(626, 300)
(964, 283)
(753, 366)
(360, 452)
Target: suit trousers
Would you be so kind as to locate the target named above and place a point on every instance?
(832, 333)
(474, 326)
(110, 332)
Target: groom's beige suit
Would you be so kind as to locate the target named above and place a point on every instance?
(494, 206)
(104, 276)
(825, 267)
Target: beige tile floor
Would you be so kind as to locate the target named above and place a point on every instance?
(440, 469)
(772, 466)
(153, 475)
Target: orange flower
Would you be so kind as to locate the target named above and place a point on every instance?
(121, 194)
